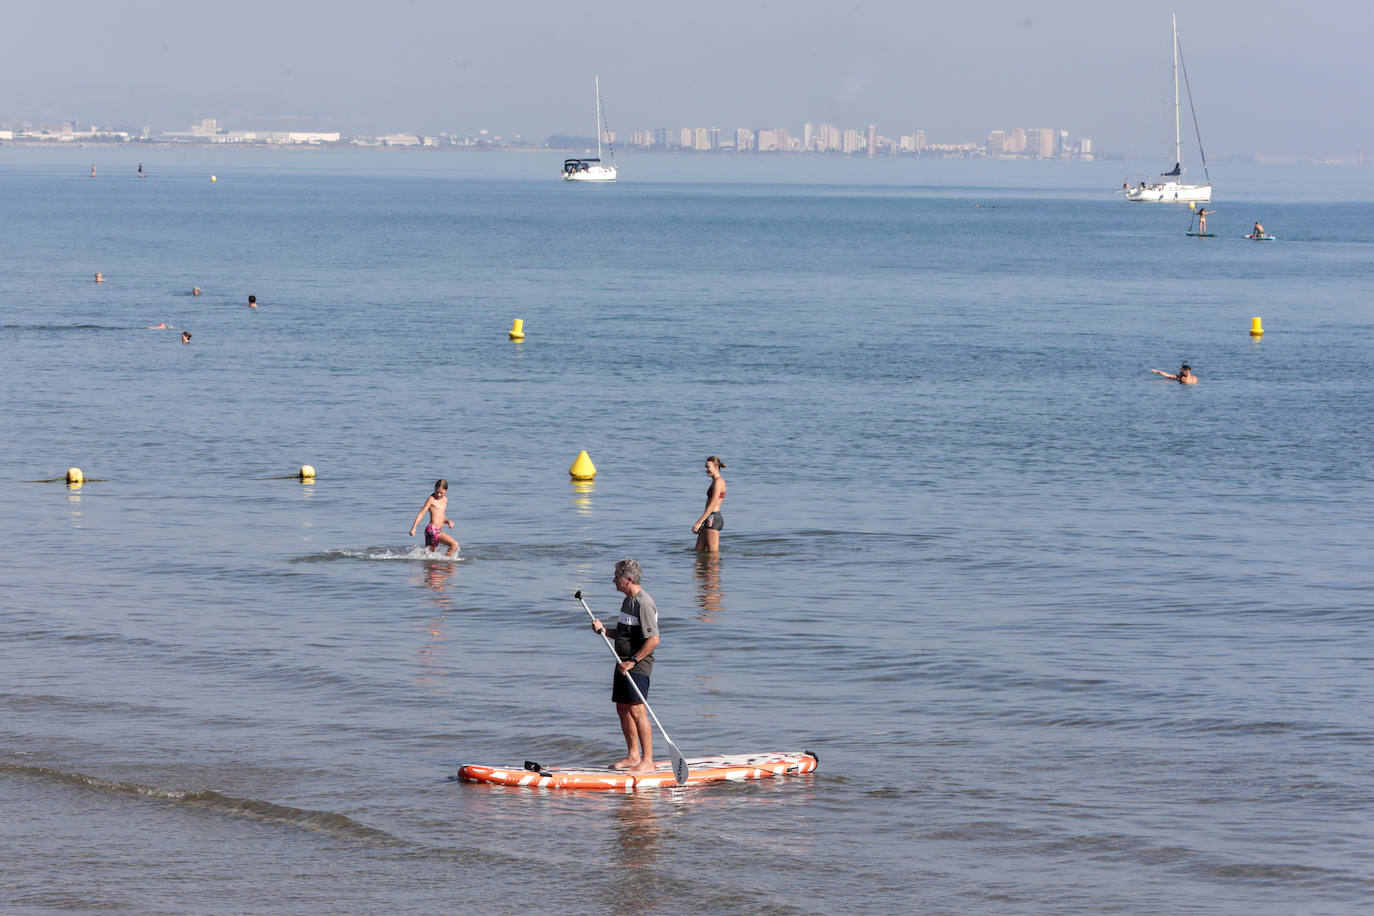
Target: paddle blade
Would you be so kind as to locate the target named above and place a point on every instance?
(679, 764)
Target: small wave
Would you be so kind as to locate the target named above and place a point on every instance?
(210, 800)
(68, 327)
(380, 553)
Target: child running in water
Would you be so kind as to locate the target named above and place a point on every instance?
(436, 505)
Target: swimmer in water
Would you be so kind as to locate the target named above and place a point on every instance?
(1185, 375)
(436, 505)
(712, 521)
(195, 291)
(99, 277)
(160, 326)
(252, 302)
(185, 336)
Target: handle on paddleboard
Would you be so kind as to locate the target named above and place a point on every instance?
(679, 761)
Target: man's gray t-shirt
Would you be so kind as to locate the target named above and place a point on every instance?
(637, 625)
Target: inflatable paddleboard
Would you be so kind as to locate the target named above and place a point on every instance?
(1262, 238)
(1203, 235)
(700, 770)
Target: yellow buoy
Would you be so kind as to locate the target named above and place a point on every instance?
(213, 178)
(517, 329)
(74, 476)
(582, 467)
(1255, 329)
(307, 472)
(1192, 205)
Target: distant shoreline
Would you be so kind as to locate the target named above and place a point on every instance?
(1288, 159)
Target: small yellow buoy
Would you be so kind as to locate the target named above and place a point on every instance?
(1255, 329)
(74, 476)
(582, 467)
(1192, 205)
(213, 178)
(307, 472)
(517, 329)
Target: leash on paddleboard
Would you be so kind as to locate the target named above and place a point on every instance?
(679, 761)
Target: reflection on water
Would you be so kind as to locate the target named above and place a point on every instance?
(710, 597)
(582, 499)
(74, 500)
(436, 576)
(637, 831)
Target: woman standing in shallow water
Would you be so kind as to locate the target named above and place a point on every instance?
(712, 521)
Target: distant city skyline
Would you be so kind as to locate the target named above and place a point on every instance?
(1265, 79)
(1042, 143)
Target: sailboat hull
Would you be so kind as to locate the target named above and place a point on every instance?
(592, 173)
(1171, 192)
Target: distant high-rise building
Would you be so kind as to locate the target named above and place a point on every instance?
(688, 139)
(701, 138)
(744, 140)
(713, 138)
(767, 139)
(871, 141)
(1085, 147)
(1046, 145)
(997, 141)
(663, 137)
(808, 136)
(919, 140)
(1017, 143)
(851, 142)
(1061, 146)
(643, 138)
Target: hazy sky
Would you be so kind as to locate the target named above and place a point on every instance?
(1267, 76)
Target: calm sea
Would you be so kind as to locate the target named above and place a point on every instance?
(1066, 637)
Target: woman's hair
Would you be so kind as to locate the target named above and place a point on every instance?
(440, 485)
(628, 569)
(718, 463)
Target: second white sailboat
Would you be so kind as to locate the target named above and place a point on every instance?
(593, 169)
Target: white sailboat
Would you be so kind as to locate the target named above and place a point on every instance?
(1171, 188)
(593, 169)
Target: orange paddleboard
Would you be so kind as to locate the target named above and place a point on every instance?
(700, 770)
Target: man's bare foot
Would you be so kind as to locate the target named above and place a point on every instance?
(641, 768)
(626, 763)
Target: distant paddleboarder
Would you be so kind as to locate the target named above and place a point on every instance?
(436, 505)
(636, 638)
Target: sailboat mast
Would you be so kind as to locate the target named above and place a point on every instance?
(1178, 130)
(598, 105)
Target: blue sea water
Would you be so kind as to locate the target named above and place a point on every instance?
(1066, 637)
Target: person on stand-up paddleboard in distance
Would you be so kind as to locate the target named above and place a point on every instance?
(636, 638)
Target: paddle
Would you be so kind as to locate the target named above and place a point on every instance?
(679, 761)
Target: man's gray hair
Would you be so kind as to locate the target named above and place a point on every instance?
(628, 569)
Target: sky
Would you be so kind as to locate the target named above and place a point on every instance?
(1267, 76)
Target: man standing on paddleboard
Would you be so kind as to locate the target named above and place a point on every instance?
(636, 637)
